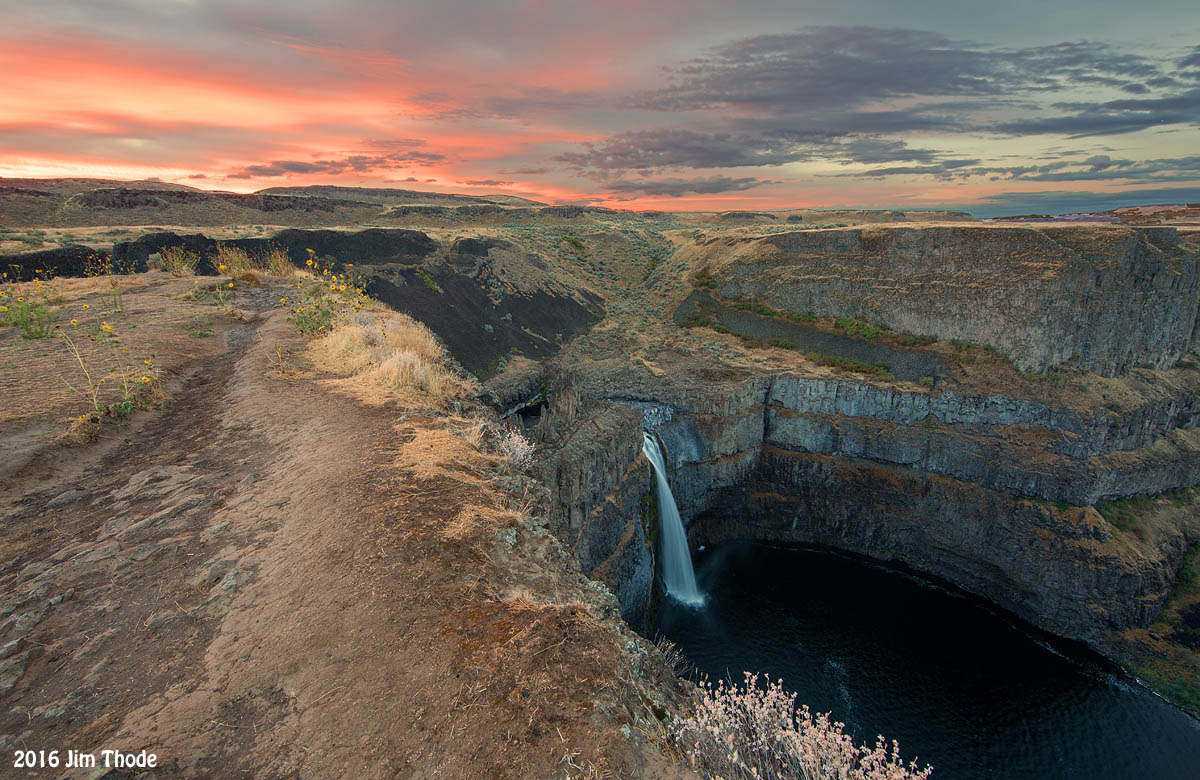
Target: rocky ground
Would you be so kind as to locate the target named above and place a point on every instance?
(268, 577)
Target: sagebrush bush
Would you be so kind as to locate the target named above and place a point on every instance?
(755, 732)
(517, 449)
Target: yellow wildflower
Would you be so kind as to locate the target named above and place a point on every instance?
(74, 322)
(146, 379)
(342, 288)
(231, 284)
(147, 362)
(20, 298)
(104, 326)
(221, 267)
(309, 261)
(86, 306)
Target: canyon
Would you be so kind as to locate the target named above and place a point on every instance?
(1011, 409)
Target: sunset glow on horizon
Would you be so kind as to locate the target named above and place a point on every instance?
(679, 105)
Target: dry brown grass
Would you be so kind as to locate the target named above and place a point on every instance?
(476, 519)
(393, 353)
(235, 259)
(275, 262)
(81, 430)
(178, 261)
(434, 453)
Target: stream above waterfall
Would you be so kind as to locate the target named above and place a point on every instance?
(965, 687)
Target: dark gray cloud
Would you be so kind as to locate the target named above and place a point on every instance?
(1095, 168)
(1111, 117)
(881, 150)
(945, 169)
(841, 67)
(642, 150)
(768, 144)
(822, 93)
(486, 183)
(676, 187)
(524, 171)
(358, 163)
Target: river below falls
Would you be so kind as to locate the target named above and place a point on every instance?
(967, 688)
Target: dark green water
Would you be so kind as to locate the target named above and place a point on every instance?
(968, 689)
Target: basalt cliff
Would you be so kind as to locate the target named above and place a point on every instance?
(1011, 409)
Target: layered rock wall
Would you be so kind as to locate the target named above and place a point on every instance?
(1104, 300)
(991, 493)
(597, 479)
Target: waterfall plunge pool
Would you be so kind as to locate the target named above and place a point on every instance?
(966, 688)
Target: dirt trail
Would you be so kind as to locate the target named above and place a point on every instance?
(258, 585)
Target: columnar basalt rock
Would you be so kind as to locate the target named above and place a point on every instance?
(991, 493)
(1105, 300)
(597, 478)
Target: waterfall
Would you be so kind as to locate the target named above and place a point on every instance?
(676, 560)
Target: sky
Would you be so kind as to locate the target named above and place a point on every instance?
(997, 108)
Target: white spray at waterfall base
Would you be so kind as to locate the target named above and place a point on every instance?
(677, 572)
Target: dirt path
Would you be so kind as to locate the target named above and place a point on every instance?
(270, 581)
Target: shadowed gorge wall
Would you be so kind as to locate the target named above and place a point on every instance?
(1105, 300)
(992, 494)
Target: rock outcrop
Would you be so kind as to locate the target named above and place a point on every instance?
(598, 479)
(993, 494)
(1102, 299)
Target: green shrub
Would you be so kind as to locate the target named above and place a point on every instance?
(1125, 514)
(913, 340)
(576, 244)
(782, 343)
(927, 381)
(859, 329)
(428, 280)
(800, 318)
(35, 318)
(879, 370)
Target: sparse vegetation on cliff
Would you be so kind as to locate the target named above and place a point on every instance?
(428, 280)
(391, 353)
(1170, 662)
(859, 329)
